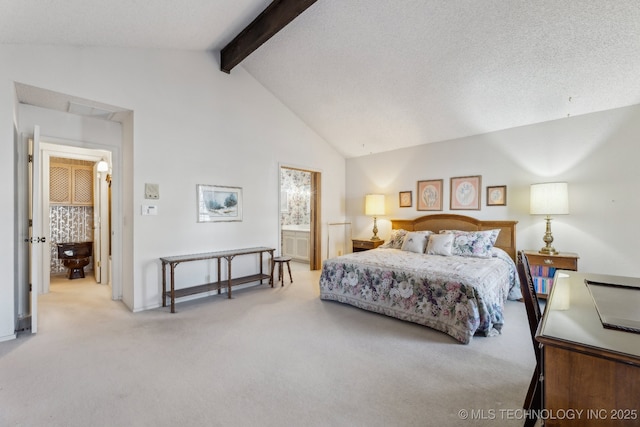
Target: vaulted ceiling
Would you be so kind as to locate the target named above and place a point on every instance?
(376, 75)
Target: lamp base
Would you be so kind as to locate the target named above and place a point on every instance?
(375, 230)
(548, 239)
(548, 251)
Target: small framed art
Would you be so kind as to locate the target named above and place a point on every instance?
(465, 192)
(429, 195)
(218, 203)
(497, 195)
(406, 199)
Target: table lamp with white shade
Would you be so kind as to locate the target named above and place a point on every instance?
(374, 206)
(549, 198)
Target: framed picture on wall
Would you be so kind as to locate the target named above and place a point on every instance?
(497, 195)
(429, 195)
(406, 199)
(465, 192)
(218, 203)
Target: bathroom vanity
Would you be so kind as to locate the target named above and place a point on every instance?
(295, 241)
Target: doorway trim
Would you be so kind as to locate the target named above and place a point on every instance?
(55, 147)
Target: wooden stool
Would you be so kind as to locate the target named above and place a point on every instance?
(280, 260)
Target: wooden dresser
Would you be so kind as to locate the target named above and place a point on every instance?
(591, 375)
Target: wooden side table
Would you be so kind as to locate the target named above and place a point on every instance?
(360, 245)
(543, 267)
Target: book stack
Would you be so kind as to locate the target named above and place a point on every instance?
(542, 278)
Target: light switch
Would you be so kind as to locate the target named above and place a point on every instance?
(151, 191)
(149, 210)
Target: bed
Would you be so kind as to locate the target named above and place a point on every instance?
(452, 273)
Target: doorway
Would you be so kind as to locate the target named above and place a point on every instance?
(30, 285)
(84, 215)
(299, 215)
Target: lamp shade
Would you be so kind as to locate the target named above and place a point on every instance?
(374, 204)
(549, 198)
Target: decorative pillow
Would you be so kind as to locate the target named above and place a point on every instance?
(440, 244)
(416, 241)
(473, 243)
(396, 240)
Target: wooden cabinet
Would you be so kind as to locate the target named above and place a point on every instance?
(295, 244)
(591, 387)
(543, 267)
(365, 245)
(590, 374)
(70, 184)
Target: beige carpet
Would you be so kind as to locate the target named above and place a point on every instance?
(267, 357)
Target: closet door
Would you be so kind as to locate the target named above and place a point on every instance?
(82, 185)
(59, 184)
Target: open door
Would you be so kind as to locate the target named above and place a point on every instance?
(100, 225)
(36, 240)
(314, 236)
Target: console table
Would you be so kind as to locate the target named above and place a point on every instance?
(173, 262)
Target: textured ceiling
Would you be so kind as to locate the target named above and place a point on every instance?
(171, 24)
(376, 75)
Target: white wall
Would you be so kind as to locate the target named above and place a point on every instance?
(192, 124)
(597, 154)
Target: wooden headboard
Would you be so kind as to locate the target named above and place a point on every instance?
(506, 239)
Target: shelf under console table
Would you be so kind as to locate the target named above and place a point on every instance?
(172, 261)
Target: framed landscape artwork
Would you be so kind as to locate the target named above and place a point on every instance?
(406, 199)
(465, 193)
(218, 203)
(497, 195)
(430, 195)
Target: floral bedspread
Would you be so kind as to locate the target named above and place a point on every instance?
(460, 296)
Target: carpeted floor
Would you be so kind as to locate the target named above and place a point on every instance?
(267, 357)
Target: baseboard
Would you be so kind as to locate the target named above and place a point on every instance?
(8, 337)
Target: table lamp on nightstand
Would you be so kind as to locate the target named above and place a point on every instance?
(549, 198)
(374, 206)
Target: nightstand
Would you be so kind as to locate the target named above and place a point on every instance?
(364, 245)
(543, 268)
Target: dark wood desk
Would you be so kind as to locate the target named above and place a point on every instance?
(173, 261)
(591, 375)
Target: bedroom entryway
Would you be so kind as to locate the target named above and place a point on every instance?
(73, 205)
(96, 133)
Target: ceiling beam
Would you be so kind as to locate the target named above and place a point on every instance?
(274, 18)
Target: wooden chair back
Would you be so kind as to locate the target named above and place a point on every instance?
(533, 399)
(531, 303)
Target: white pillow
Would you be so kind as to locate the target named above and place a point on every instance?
(440, 244)
(416, 241)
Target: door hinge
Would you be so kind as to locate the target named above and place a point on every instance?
(30, 223)
(99, 264)
(30, 158)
